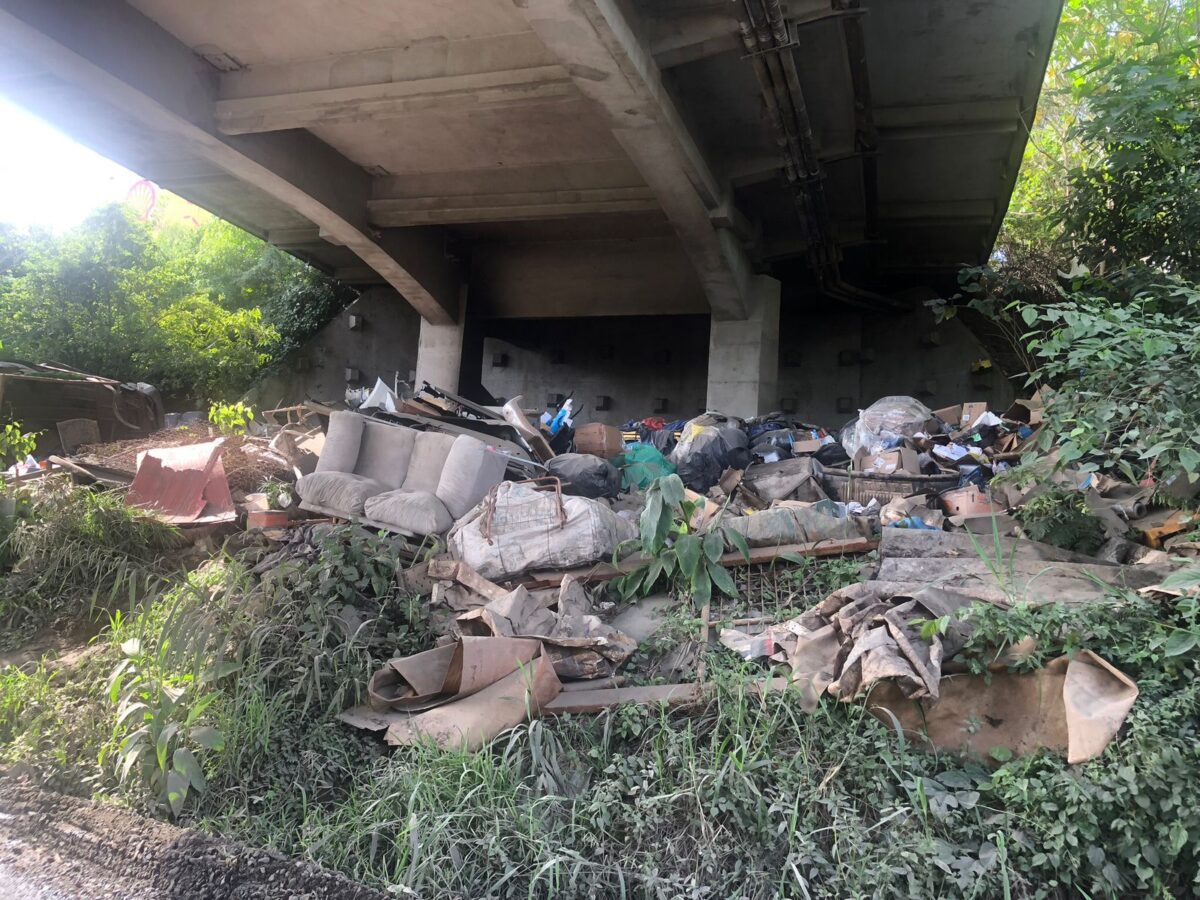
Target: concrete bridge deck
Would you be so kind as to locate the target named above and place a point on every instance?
(522, 159)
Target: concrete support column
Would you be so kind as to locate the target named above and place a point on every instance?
(439, 350)
(743, 355)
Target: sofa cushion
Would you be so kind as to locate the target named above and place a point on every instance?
(342, 440)
(472, 469)
(429, 455)
(385, 452)
(417, 511)
(339, 491)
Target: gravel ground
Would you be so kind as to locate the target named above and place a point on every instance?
(54, 847)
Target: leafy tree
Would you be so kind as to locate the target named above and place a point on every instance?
(1093, 36)
(1139, 200)
(88, 298)
(206, 351)
(186, 301)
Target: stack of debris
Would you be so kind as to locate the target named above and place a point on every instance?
(504, 656)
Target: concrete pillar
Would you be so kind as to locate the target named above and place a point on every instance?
(439, 350)
(743, 355)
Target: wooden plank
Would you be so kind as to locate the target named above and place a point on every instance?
(601, 572)
(450, 570)
(595, 701)
(673, 695)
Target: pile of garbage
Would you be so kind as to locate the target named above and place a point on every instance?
(518, 581)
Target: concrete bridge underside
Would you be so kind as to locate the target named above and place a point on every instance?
(537, 159)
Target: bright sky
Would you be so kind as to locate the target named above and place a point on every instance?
(48, 180)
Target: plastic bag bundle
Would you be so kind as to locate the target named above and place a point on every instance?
(709, 445)
(885, 423)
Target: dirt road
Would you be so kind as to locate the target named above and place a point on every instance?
(59, 848)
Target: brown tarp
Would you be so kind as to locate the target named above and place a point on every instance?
(460, 695)
(865, 639)
(1074, 706)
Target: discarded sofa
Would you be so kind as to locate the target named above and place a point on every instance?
(397, 478)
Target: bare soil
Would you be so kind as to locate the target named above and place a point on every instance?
(55, 846)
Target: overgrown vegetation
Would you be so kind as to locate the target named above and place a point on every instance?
(74, 554)
(1105, 308)
(749, 798)
(184, 301)
(1060, 517)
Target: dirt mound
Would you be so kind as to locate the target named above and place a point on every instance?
(88, 850)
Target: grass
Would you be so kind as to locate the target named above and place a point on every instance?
(74, 554)
(747, 797)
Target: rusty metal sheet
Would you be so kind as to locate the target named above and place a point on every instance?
(185, 485)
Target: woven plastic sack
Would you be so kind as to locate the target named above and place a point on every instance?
(518, 528)
(885, 423)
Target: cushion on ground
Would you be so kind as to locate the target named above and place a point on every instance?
(428, 457)
(342, 441)
(341, 491)
(385, 452)
(471, 470)
(417, 511)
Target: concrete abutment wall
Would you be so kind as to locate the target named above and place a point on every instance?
(831, 360)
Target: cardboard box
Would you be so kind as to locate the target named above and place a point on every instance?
(971, 500)
(1028, 412)
(951, 415)
(799, 448)
(971, 412)
(900, 461)
(706, 511)
(600, 440)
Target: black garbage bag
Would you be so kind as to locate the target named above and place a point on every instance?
(584, 475)
(708, 446)
(834, 455)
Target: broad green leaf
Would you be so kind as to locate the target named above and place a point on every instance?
(688, 551)
(702, 587)
(1180, 642)
(738, 540)
(651, 524)
(207, 737)
(671, 488)
(163, 743)
(1183, 579)
(177, 791)
(185, 763)
(722, 579)
(714, 545)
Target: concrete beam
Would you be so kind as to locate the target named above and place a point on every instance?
(582, 175)
(937, 211)
(440, 210)
(120, 58)
(599, 43)
(285, 238)
(356, 275)
(675, 40)
(1001, 115)
(370, 102)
